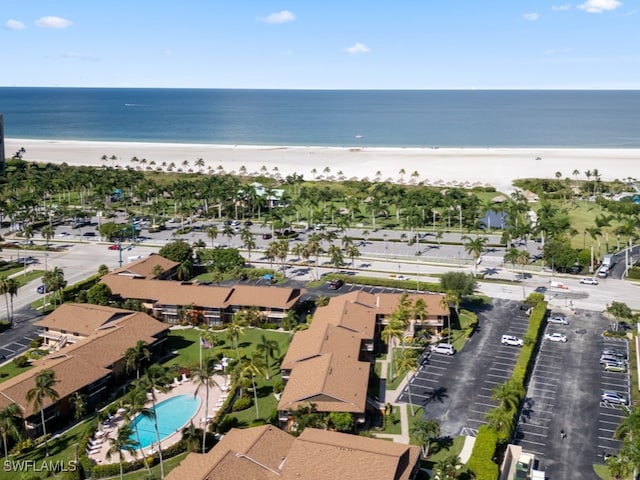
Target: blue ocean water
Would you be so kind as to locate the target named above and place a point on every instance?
(478, 118)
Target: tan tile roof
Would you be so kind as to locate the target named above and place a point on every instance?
(144, 267)
(258, 296)
(81, 364)
(168, 292)
(85, 319)
(332, 382)
(353, 457)
(254, 453)
(265, 452)
(319, 339)
(386, 303)
(71, 373)
(350, 315)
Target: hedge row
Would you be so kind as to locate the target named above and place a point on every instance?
(482, 462)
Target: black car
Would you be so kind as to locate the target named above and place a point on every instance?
(335, 284)
(266, 236)
(248, 223)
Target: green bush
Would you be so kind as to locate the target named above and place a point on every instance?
(35, 343)
(21, 361)
(71, 292)
(269, 326)
(481, 462)
(242, 404)
(634, 273)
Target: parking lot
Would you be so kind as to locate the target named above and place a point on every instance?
(564, 396)
(456, 390)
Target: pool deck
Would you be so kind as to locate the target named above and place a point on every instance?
(185, 387)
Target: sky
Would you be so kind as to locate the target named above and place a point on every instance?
(328, 44)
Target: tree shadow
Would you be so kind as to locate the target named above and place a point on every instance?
(436, 395)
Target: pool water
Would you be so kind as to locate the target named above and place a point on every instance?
(172, 415)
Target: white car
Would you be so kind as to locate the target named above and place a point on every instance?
(589, 281)
(556, 337)
(609, 396)
(444, 349)
(558, 319)
(511, 340)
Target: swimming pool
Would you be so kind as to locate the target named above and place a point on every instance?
(172, 414)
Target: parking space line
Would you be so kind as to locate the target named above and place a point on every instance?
(490, 405)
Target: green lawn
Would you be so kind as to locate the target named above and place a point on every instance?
(11, 371)
(61, 449)
(186, 343)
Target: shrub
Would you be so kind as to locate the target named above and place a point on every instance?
(269, 326)
(481, 462)
(21, 361)
(35, 343)
(242, 404)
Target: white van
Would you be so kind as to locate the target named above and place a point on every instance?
(444, 349)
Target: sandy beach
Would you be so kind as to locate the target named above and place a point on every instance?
(434, 166)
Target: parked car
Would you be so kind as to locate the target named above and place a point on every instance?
(616, 353)
(609, 359)
(556, 337)
(615, 367)
(511, 340)
(335, 284)
(609, 396)
(589, 281)
(558, 320)
(248, 223)
(444, 349)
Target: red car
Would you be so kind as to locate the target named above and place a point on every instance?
(115, 246)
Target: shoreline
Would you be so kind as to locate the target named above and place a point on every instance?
(434, 166)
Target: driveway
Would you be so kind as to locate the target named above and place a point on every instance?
(564, 394)
(456, 390)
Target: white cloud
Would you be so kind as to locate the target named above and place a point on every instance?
(280, 17)
(14, 24)
(599, 6)
(561, 8)
(531, 16)
(357, 48)
(53, 22)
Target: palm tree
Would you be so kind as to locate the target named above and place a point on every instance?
(234, 329)
(393, 330)
(424, 432)
(352, 252)
(251, 368)
(501, 420)
(43, 389)
(155, 379)
(79, 403)
(11, 424)
(212, 233)
(203, 378)
(475, 247)
(122, 442)
(447, 468)
(136, 400)
(47, 233)
(407, 363)
(4, 290)
(509, 394)
(247, 240)
(134, 357)
(269, 349)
